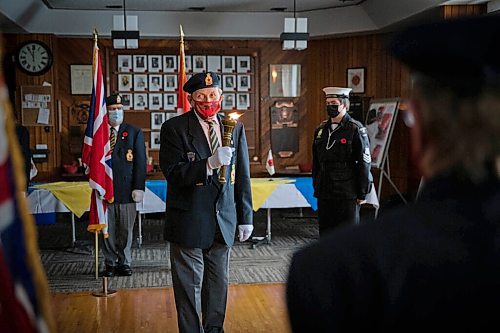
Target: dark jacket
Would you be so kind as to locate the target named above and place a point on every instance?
(432, 266)
(128, 163)
(196, 202)
(343, 171)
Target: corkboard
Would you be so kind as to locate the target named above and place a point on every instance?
(30, 114)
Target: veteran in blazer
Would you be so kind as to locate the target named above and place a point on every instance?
(202, 214)
(129, 179)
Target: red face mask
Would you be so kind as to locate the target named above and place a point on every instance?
(207, 109)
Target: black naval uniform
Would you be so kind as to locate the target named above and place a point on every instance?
(341, 171)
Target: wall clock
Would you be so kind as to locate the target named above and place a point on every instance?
(34, 57)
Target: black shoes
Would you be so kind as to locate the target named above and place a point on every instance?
(124, 270)
(109, 272)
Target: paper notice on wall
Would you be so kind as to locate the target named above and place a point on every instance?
(43, 116)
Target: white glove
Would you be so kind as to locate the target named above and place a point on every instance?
(137, 195)
(245, 230)
(222, 156)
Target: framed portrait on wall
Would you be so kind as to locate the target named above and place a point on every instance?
(187, 60)
(140, 63)
(228, 102)
(243, 82)
(228, 65)
(170, 82)
(140, 101)
(154, 63)
(213, 63)
(155, 101)
(229, 82)
(124, 82)
(169, 63)
(155, 82)
(170, 101)
(242, 101)
(157, 119)
(127, 101)
(169, 115)
(155, 140)
(199, 63)
(356, 80)
(124, 63)
(140, 82)
(243, 64)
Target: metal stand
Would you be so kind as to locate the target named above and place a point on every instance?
(105, 291)
(139, 239)
(256, 241)
(385, 171)
(73, 233)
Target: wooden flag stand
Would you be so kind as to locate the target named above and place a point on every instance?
(105, 291)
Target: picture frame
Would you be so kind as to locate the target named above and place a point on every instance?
(169, 63)
(213, 63)
(170, 82)
(155, 140)
(199, 63)
(140, 101)
(356, 80)
(243, 64)
(124, 63)
(229, 82)
(155, 101)
(155, 64)
(243, 82)
(284, 80)
(125, 82)
(140, 63)
(127, 100)
(155, 82)
(229, 102)
(228, 64)
(157, 119)
(170, 115)
(187, 60)
(242, 101)
(81, 79)
(170, 101)
(141, 82)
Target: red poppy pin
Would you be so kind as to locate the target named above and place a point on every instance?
(124, 135)
(343, 141)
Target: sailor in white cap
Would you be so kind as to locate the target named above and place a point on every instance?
(341, 163)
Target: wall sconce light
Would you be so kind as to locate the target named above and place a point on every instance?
(125, 33)
(295, 35)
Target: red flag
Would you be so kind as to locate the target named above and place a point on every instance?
(182, 100)
(24, 294)
(270, 163)
(96, 155)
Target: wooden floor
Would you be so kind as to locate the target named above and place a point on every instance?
(251, 308)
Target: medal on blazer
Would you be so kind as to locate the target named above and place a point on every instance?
(130, 156)
(233, 174)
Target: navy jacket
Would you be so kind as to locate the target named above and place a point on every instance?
(196, 203)
(128, 163)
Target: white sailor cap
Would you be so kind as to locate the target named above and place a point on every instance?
(337, 92)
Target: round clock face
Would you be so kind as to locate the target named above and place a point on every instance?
(34, 57)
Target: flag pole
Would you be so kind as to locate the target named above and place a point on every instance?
(96, 240)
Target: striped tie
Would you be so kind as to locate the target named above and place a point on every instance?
(112, 139)
(214, 141)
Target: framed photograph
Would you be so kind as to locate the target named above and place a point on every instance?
(284, 80)
(140, 101)
(243, 82)
(170, 115)
(228, 102)
(356, 80)
(155, 140)
(170, 101)
(243, 101)
(199, 63)
(155, 82)
(169, 63)
(380, 122)
(127, 101)
(124, 82)
(187, 60)
(154, 63)
(140, 63)
(229, 82)
(170, 82)
(155, 101)
(157, 119)
(228, 65)
(81, 79)
(124, 63)
(243, 64)
(140, 82)
(213, 64)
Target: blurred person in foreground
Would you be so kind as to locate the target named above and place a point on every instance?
(435, 264)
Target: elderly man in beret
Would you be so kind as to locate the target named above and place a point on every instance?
(434, 266)
(203, 215)
(129, 180)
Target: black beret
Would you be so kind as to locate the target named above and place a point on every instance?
(113, 99)
(200, 81)
(460, 53)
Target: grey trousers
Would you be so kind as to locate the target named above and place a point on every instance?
(200, 279)
(117, 247)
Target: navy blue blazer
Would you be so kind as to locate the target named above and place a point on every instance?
(196, 203)
(128, 163)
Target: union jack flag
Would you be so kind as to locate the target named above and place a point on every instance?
(24, 294)
(96, 154)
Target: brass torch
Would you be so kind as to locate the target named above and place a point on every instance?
(229, 123)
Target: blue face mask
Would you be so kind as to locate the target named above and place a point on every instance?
(115, 117)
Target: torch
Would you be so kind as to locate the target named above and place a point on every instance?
(229, 123)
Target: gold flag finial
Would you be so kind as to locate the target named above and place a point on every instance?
(95, 35)
(182, 31)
